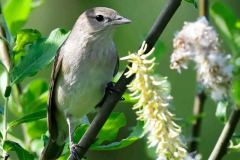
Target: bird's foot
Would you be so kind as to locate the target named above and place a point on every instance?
(74, 152)
(112, 89)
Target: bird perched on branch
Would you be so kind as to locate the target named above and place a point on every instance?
(84, 65)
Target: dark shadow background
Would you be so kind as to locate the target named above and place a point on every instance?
(63, 13)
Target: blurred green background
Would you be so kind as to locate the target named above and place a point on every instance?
(63, 13)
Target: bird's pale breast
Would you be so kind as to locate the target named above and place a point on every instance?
(86, 69)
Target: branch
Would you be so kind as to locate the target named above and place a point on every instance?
(200, 98)
(4, 50)
(6, 62)
(112, 99)
(203, 8)
(220, 148)
(199, 101)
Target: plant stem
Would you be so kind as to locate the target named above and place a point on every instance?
(6, 60)
(4, 130)
(203, 8)
(197, 112)
(200, 98)
(220, 148)
(120, 87)
(5, 119)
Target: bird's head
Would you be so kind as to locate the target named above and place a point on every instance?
(100, 19)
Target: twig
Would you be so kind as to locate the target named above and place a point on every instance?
(6, 61)
(197, 112)
(203, 8)
(112, 99)
(4, 45)
(4, 50)
(200, 98)
(220, 148)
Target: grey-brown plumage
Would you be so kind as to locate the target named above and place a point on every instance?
(85, 63)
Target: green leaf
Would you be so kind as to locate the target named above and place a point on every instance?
(21, 152)
(24, 37)
(39, 55)
(45, 139)
(236, 91)
(64, 156)
(109, 131)
(136, 134)
(128, 98)
(221, 112)
(34, 96)
(227, 21)
(36, 105)
(28, 118)
(79, 132)
(111, 128)
(36, 146)
(194, 2)
(234, 143)
(36, 129)
(33, 90)
(16, 13)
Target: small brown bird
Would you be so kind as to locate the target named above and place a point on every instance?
(83, 67)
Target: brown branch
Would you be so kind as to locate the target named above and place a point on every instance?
(200, 98)
(203, 8)
(220, 148)
(112, 99)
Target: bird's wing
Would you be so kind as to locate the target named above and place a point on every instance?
(53, 149)
(52, 123)
(116, 67)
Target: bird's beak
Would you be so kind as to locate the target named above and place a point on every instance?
(120, 20)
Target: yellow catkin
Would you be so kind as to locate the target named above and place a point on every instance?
(153, 95)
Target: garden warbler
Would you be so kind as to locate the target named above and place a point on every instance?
(84, 65)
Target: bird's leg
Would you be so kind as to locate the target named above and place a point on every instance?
(70, 130)
(72, 146)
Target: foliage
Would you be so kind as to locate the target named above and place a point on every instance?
(194, 2)
(38, 55)
(21, 152)
(228, 22)
(109, 133)
(16, 14)
(31, 52)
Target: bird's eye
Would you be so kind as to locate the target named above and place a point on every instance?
(99, 18)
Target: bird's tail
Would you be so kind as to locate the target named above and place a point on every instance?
(52, 150)
(58, 133)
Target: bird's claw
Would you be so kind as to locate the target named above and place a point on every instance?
(111, 88)
(74, 152)
(122, 99)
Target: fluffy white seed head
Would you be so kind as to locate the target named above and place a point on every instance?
(198, 42)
